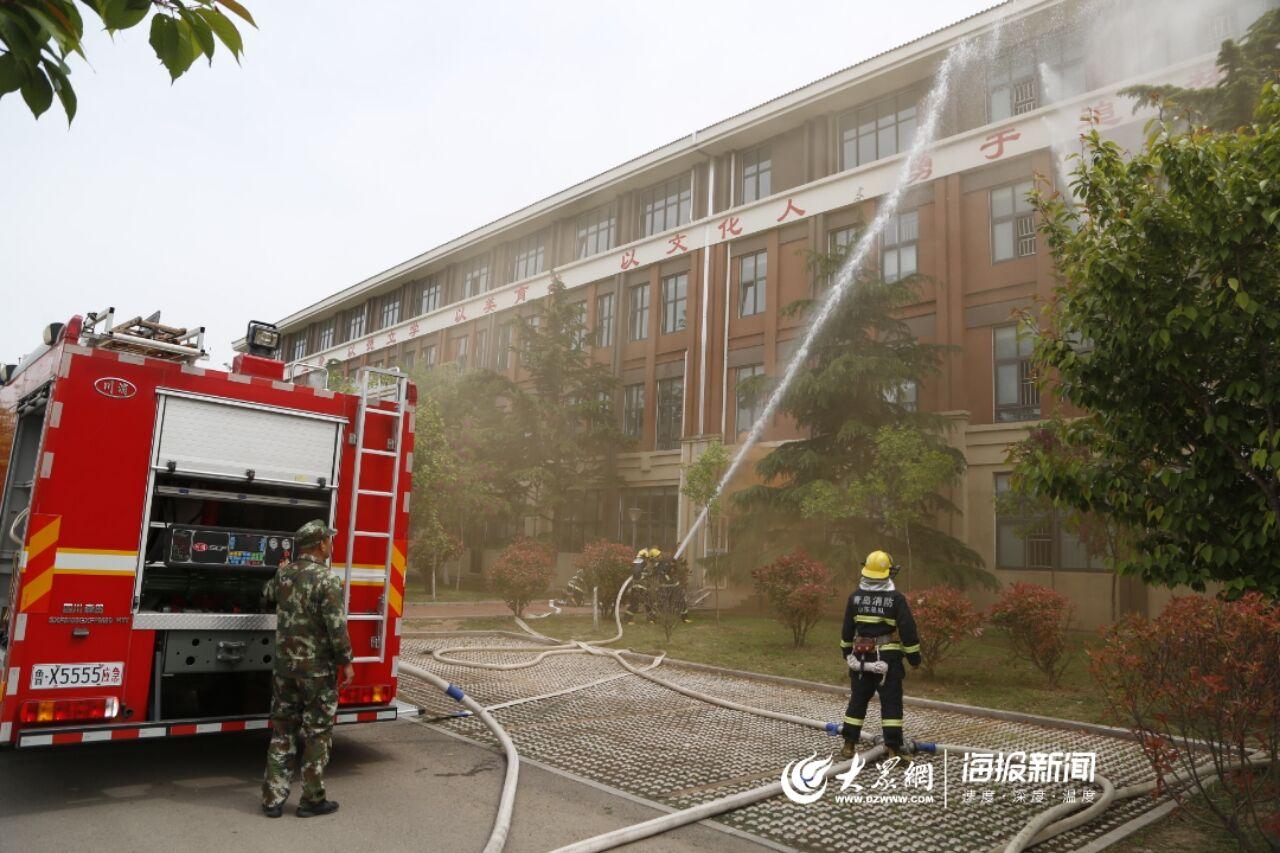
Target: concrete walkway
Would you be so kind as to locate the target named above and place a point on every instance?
(403, 787)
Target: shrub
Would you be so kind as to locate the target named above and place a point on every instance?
(522, 572)
(1036, 618)
(1205, 670)
(945, 617)
(605, 565)
(797, 588)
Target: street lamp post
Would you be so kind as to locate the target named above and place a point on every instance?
(634, 514)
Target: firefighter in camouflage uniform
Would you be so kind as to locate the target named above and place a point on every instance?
(312, 649)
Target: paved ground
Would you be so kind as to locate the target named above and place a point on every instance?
(644, 738)
(402, 785)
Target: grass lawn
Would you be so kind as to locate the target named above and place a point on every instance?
(980, 672)
(416, 590)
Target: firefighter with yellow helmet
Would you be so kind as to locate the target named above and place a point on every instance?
(874, 613)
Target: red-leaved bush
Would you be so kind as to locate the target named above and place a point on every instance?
(1200, 687)
(1036, 618)
(521, 572)
(945, 617)
(797, 588)
(605, 565)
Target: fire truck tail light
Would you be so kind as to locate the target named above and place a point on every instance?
(365, 694)
(70, 710)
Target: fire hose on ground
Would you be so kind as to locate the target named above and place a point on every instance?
(1041, 827)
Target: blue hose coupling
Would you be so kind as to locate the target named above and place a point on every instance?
(833, 728)
(453, 691)
(925, 746)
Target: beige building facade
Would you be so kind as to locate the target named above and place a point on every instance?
(682, 260)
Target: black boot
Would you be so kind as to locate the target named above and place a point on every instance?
(316, 809)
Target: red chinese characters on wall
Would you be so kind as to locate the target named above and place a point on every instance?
(629, 259)
(351, 352)
(790, 209)
(921, 169)
(677, 244)
(490, 305)
(368, 345)
(459, 315)
(414, 329)
(1101, 114)
(997, 141)
(730, 227)
(522, 293)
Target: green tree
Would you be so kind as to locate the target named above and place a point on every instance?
(436, 478)
(476, 480)
(1246, 65)
(38, 36)
(572, 436)
(847, 394)
(701, 486)
(908, 467)
(1165, 330)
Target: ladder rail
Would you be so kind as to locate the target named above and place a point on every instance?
(367, 394)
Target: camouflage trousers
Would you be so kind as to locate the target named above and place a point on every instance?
(302, 711)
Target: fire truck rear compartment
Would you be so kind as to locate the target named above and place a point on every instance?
(229, 486)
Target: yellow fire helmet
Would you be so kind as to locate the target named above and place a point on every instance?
(877, 565)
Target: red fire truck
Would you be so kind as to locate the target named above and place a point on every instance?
(147, 502)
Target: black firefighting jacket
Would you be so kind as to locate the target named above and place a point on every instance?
(879, 613)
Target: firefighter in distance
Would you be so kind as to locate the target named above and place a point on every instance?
(874, 613)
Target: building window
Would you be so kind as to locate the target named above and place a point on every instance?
(675, 300)
(596, 231)
(299, 345)
(407, 361)
(839, 241)
(656, 526)
(905, 395)
(580, 330)
(475, 277)
(748, 404)
(482, 348)
(528, 257)
(389, 313)
(1012, 88)
(633, 410)
(429, 295)
(1017, 394)
(604, 320)
(460, 351)
(1031, 538)
(504, 346)
(879, 129)
(580, 520)
(429, 356)
(670, 413)
(324, 339)
(667, 205)
(898, 246)
(638, 313)
(1013, 222)
(752, 273)
(355, 323)
(757, 174)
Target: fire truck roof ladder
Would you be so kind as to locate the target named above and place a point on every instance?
(376, 385)
(144, 336)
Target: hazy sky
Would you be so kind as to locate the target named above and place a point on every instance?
(356, 135)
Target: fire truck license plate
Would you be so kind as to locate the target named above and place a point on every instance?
(55, 676)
